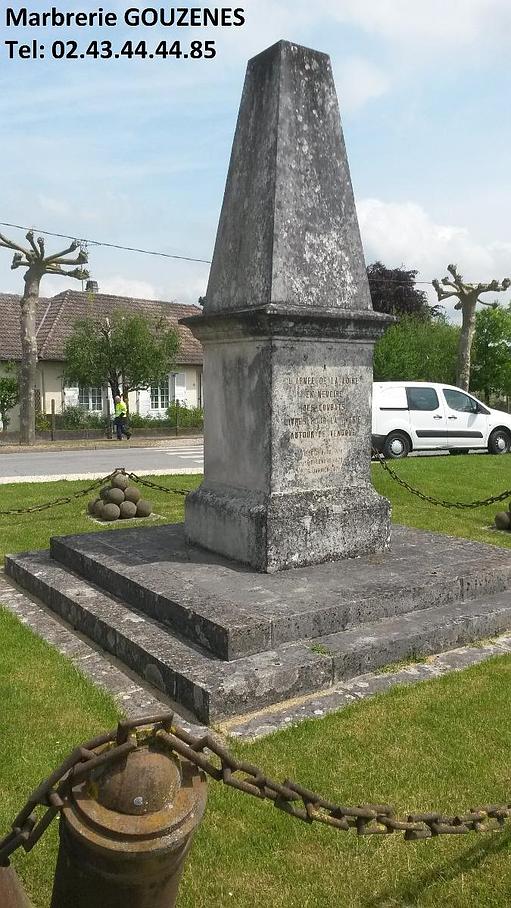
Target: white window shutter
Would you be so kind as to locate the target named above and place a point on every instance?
(180, 387)
(71, 397)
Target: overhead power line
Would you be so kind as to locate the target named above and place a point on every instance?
(66, 236)
(164, 255)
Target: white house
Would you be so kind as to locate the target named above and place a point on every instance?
(55, 320)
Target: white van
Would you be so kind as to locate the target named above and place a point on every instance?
(421, 416)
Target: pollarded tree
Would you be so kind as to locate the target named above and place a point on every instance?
(468, 297)
(37, 264)
(130, 352)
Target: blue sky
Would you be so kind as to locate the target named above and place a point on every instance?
(136, 152)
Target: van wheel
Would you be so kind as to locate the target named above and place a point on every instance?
(396, 446)
(499, 442)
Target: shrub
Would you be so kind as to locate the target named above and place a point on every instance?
(71, 418)
(187, 417)
(79, 418)
(42, 423)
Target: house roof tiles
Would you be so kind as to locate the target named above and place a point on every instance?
(55, 318)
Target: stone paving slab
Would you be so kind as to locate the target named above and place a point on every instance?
(234, 611)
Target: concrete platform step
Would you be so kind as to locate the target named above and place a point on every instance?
(213, 689)
(233, 611)
(209, 687)
(421, 633)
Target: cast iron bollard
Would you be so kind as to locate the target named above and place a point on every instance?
(12, 894)
(126, 831)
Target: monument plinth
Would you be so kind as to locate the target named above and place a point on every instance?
(288, 334)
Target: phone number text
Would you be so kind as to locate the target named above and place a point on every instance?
(105, 50)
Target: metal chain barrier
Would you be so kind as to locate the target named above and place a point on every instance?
(208, 754)
(63, 500)
(439, 502)
(154, 485)
(148, 483)
(55, 502)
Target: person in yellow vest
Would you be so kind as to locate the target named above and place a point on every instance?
(121, 413)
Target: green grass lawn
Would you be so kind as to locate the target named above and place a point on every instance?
(467, 477)
(463, 478)
(47, 708)
(20, 533)
(441, 744)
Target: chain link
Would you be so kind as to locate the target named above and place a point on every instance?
(154, 485)
(439, 502)
(63, 500)
(208, 754)
(148, 483)
(120, 471)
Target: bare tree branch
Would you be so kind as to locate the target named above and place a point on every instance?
(80, 274)
(30, 237)
(58, 255)
(81, 259)
(10, 244)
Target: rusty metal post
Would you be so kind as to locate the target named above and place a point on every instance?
(53, 419)
(126, 832)
(12, 894)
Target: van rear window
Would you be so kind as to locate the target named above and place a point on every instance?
(392, 399)
(422, 398)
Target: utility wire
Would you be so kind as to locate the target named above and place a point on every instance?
(165, 255)
(65, 236)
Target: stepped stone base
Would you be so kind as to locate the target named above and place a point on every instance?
(223, 640)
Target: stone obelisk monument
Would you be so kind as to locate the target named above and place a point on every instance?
(288, 333)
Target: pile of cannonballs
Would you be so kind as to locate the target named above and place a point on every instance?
(503, 520)
(119, 501)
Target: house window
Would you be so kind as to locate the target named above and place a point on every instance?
(90, 398)
(160, 396)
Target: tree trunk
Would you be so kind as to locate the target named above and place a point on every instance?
(28, 370)
(465, 343)
(125, 394)
(114, 386)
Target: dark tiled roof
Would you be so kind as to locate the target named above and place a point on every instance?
(56, 316)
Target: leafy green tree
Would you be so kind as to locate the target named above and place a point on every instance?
(9, 392)
(130, 352)
(417, 350)
(491, 352)
(393, 291)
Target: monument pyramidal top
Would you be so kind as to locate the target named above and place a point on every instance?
(288, 231)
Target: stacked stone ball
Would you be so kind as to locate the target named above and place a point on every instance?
(503, 520)
(119, 501)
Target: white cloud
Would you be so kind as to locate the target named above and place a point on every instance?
(52, 206)
(121, 286)
(455, 22)
(403, 233)
(358, 81)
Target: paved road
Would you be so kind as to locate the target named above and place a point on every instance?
(186, 457)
